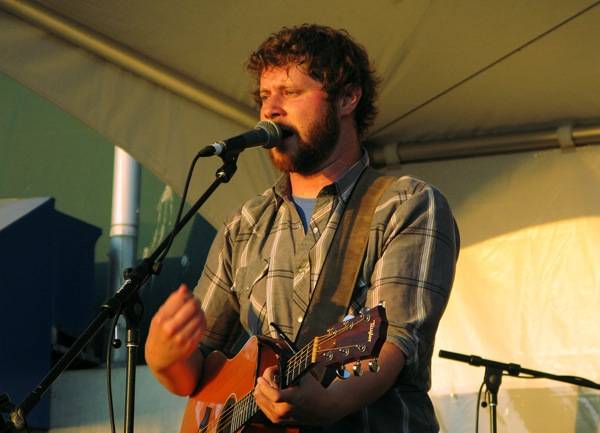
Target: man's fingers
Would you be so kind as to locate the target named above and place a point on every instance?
(189, 331)
(191, 309)
(175, 330)
(175, 301)
(271, 403)
(271, 376)
(180, 319)
(271, 392)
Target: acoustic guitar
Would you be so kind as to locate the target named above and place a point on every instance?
(225, 400)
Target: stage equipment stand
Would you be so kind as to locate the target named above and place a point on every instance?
(494, 371)
(126, 301)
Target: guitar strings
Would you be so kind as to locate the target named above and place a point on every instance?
(295, 360)
(224, 419)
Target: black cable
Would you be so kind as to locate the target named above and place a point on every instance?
(477, 407)
(485, 68)
(163, 255)
(109, 346)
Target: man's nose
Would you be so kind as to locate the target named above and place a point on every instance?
(272, 108)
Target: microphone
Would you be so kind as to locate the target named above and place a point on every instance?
(266, 134)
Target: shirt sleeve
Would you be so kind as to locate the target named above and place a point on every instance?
(418, 246)
(219, 303)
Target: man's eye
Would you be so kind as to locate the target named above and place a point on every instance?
(292, 92)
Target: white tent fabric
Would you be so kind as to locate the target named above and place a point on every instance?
(527, 287)
(450, 69)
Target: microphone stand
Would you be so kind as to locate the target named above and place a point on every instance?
(493, 377)
(125, 300)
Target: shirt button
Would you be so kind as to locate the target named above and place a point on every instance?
(300, 319)
(315, 230)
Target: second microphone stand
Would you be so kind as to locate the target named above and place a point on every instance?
(493, 377)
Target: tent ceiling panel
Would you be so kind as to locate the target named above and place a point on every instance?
(534, 89)
(446, 89)
(211, 41)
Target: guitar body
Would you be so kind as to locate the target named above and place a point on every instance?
(224, 382)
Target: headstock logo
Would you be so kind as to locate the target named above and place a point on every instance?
(371, 331)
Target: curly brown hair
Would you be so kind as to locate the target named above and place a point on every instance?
(330, 56)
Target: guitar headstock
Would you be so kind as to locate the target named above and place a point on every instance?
(352, 340)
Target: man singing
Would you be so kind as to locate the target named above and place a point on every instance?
(266, 259)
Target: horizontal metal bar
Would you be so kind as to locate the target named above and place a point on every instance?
(403, 153)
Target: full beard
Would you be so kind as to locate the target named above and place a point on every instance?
(309, 155)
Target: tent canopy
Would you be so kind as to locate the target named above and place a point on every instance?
(161, 79)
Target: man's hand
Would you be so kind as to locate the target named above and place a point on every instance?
(295, 405)
(171, 347)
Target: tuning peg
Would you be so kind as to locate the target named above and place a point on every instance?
(363, 311)
(374, 365)
(342, 373)
(357, 369)
(382, 303)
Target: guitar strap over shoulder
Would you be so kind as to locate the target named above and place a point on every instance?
(333, 292)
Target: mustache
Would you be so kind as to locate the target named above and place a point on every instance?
(287, 129)
(288, 132)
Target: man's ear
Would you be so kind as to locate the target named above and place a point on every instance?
(349, 100)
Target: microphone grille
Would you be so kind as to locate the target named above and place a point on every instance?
(273, 130)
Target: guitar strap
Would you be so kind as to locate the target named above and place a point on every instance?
(335, 286)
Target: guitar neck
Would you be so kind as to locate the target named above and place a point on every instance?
(298, 364)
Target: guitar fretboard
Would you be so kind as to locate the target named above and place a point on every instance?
(297, 365)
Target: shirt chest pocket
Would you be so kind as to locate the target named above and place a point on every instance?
(251, 288)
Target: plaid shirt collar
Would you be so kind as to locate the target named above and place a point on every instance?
(341, 187)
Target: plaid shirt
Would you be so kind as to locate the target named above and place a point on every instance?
(262, 268)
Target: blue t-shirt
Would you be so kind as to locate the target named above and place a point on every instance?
(305, 207)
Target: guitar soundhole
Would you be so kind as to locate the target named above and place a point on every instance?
(225, 419)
